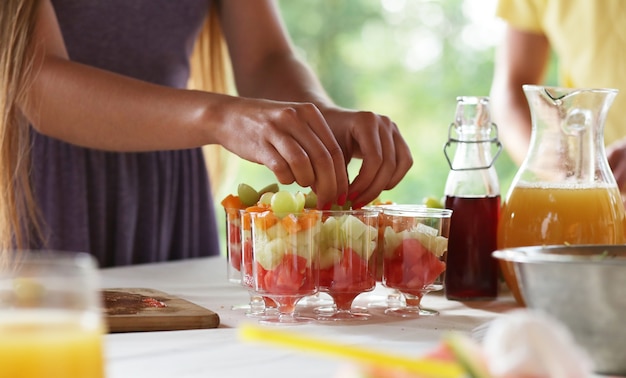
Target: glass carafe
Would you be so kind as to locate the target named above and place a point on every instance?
(564, 192)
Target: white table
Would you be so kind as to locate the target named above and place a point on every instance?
(220, 353)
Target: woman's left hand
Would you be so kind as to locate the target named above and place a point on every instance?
(376, 140)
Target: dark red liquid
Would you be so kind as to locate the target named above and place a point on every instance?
(472, 273)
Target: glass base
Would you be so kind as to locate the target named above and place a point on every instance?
(329, 314)
(286, 320)
(315, 300)
(411, 312)
(268, 313)
(386, 303)
(242, 306)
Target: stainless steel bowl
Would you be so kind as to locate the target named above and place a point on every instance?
(583, 286)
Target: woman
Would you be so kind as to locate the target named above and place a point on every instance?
(95, 108)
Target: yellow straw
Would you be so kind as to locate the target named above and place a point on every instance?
(421, 366)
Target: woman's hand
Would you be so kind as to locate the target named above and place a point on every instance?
(265, 65)
(292, 139)
(377, 141)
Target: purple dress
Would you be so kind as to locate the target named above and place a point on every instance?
(127, 208)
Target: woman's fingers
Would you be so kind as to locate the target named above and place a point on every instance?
(376, 140)
(294, 142)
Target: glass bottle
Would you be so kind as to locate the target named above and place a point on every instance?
(564, 191)
(473, 193)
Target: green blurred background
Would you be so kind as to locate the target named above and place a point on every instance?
(407, 59)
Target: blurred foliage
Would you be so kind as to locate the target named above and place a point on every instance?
(407, 59)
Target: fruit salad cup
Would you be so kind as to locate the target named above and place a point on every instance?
(415, 245)
(245, 197)
(232, 206)
(260, 306)
(394, 298)
(285, 257)
(347, 265)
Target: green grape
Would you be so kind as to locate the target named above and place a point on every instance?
(310, 200)
(266, 198)
(271, 188)
(300, 200)
(432, 202)
(283, 203)
(247, 195)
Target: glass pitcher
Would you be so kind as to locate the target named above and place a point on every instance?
(564, 192)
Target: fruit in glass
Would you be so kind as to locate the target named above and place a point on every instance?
(233, 203)
(347, 266)
(285, 258)
(233, 244)
(259, 306)
(415, 245)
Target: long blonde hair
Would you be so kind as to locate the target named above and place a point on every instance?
(18, 213)
(210, 71)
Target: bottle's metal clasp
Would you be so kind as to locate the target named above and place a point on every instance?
(493, 140)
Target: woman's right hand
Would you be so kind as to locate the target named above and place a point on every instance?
(292, 139)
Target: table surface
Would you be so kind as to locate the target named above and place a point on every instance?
(220, 352)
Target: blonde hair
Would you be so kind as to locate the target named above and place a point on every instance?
(18, 212)
(210, 71)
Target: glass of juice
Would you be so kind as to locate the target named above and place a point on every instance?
(50, 315)
(285, 258)
(414, 255)
(347, 265)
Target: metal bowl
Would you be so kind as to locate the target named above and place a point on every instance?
(583, 286)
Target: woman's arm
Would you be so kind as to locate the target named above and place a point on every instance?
(94, 108)
(522, 59)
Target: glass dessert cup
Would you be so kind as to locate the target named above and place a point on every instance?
(233, 244)
(285, 257)
(347, 265)
(234, 258)
(393, 298)
(415, 244)
(259, 306)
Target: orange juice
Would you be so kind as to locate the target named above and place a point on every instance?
(543, 214)
(35, 344)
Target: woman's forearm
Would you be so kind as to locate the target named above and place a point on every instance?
(98, 109)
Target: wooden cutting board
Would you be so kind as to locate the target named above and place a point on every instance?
(158, 311)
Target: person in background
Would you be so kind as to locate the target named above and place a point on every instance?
(102, 137)
(589, 40)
